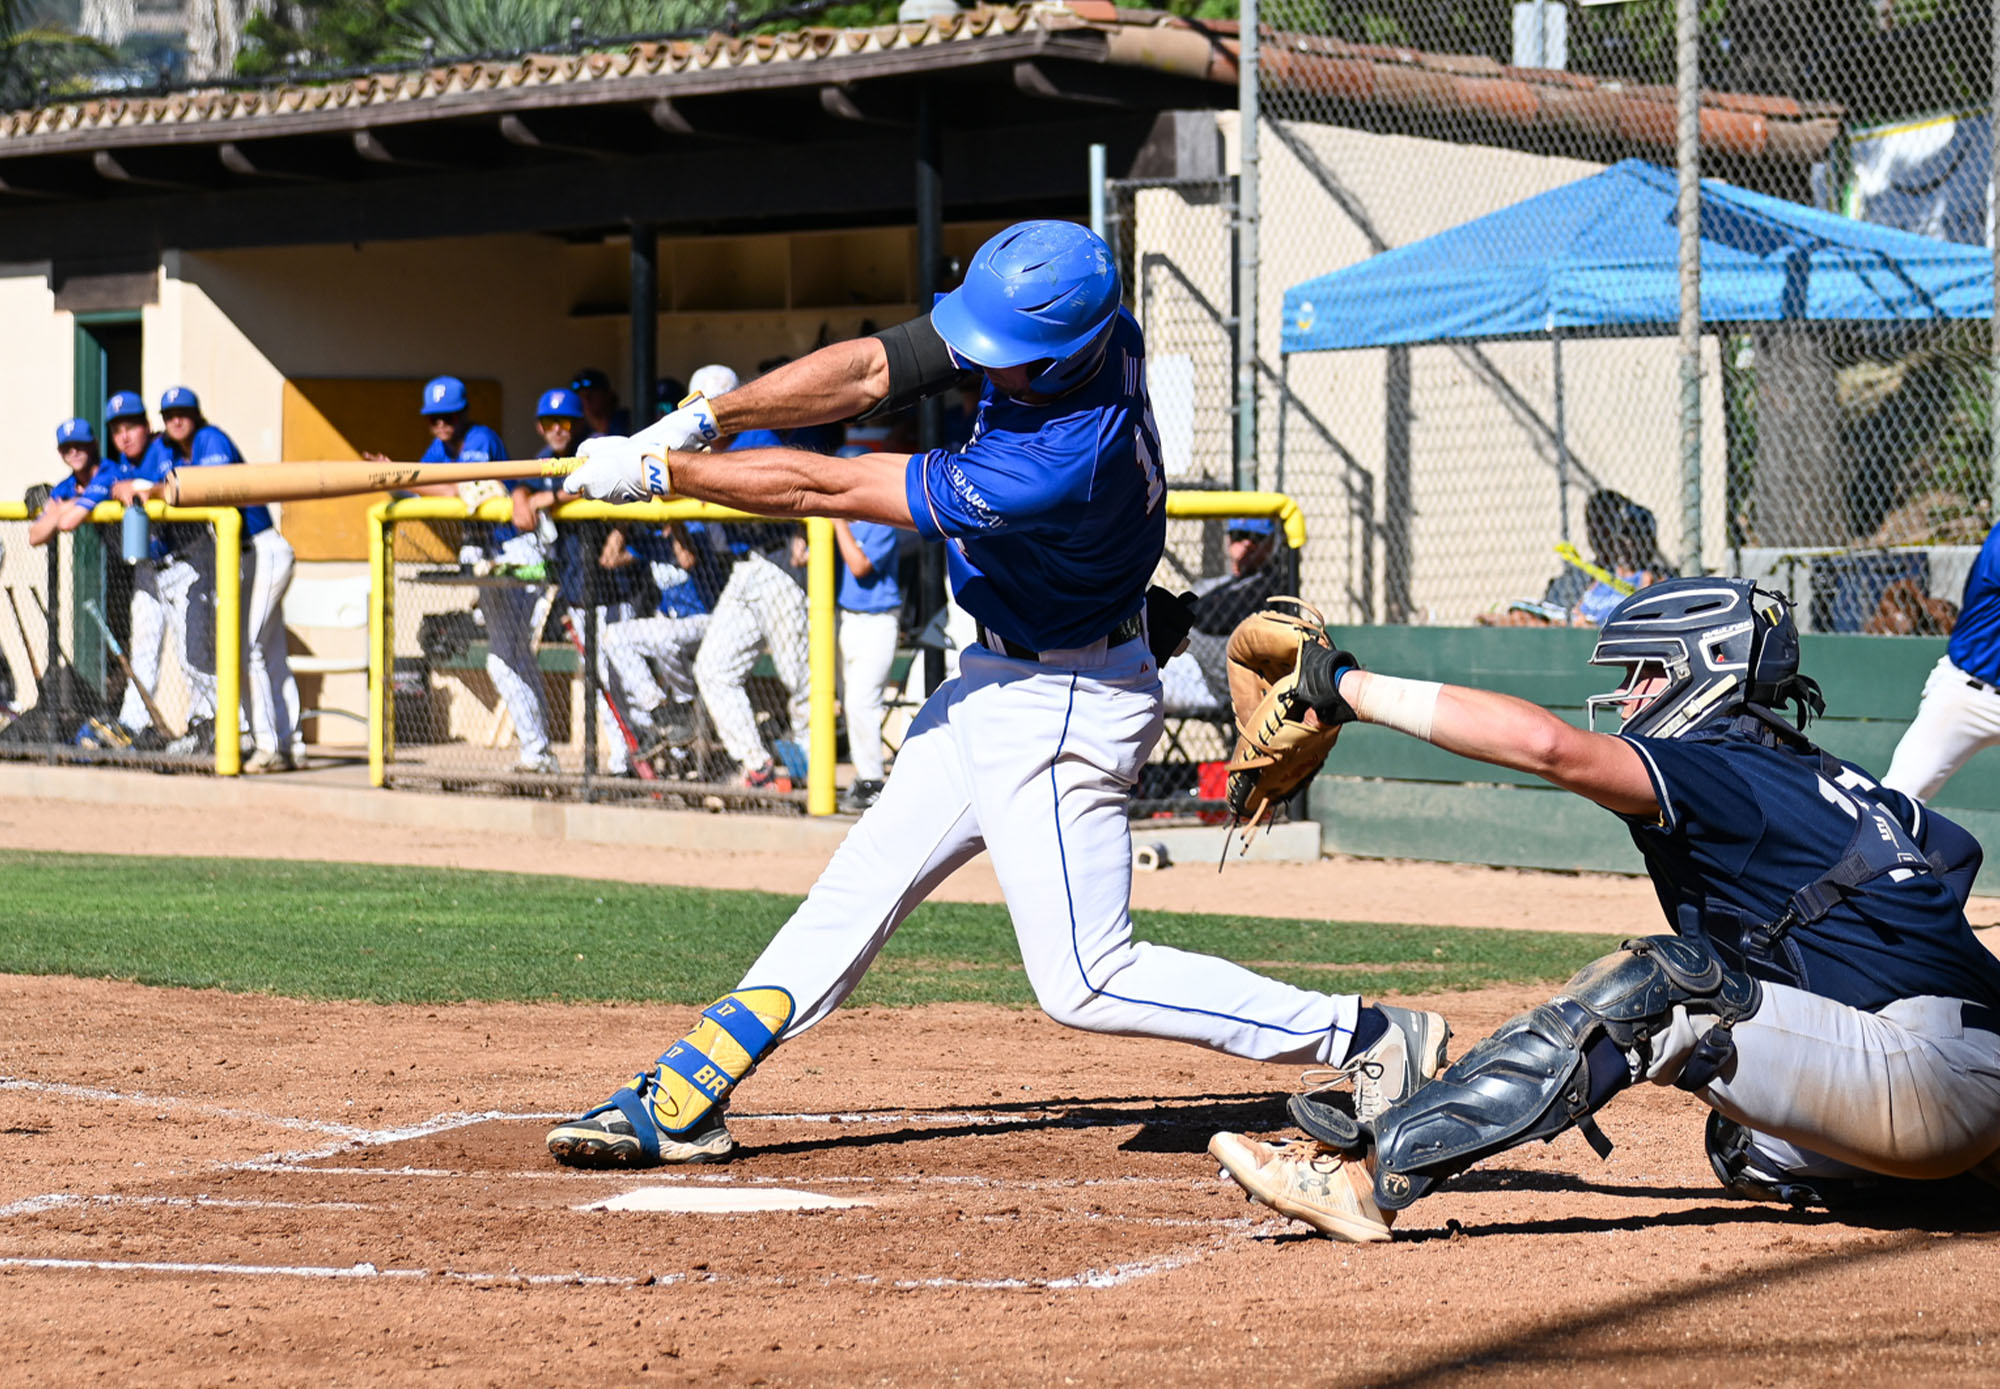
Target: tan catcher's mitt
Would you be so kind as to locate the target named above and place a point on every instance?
(1280, 665)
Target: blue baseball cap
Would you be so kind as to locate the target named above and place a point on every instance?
(559, 404)
(75, 431)
(443, 395)
(1251, 525)
(124, 405)
(590, 379)
(180, 398)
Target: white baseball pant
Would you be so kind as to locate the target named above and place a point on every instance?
(274, 692)
(867, 653)
(150, 622)
(1954, 720)
(186, 586)
(760, 606)
(1035, 763)
(668, 646)
(509, 616)
(1825, 1087)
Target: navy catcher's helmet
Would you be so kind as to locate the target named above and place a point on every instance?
(1038, 292)
(1721, 643)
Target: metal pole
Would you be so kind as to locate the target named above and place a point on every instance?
(1562, 434)
(1247, 108)
(1098, 221)
(930, 266)
(1688, 31)
(645, 312)
(1993, 238)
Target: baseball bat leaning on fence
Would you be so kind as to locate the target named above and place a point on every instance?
(34, 668)
(118, 650)
(113, 734)
(248, 484)
(634, 753)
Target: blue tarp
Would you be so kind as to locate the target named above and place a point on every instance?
(1600, 256)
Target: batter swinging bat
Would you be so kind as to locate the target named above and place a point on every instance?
(247, 484)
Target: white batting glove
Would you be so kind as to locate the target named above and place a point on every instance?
(690, 426)
(617, 469)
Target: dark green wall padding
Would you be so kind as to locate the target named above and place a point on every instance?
(1384, 795)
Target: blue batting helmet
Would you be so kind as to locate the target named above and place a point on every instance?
(443, 395)
(1037, 292)
(559, 404)
(125, 405)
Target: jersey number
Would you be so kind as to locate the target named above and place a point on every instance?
(1146, 438)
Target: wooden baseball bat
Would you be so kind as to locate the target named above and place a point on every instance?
(248, 484)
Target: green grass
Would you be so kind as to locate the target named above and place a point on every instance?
(414, 935)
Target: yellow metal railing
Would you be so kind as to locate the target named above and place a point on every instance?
(1196, 506)
(228, 523)
(820, 582)
(820, 789)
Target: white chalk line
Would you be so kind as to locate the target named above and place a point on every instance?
(1089, 1279)
(57, 1200)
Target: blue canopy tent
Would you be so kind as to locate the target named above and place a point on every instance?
(1600, 257)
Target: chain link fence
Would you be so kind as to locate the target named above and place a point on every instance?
(655, 654)
(115, 662)
(1480, 447)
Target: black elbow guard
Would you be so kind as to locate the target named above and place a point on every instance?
(920, 365)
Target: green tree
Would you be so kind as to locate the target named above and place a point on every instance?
(39, 61)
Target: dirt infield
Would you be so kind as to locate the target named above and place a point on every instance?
(259, 1190)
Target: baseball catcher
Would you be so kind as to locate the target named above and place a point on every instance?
(1820, 990)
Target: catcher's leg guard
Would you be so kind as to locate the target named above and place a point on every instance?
(683, 1092)
(1552, 1067)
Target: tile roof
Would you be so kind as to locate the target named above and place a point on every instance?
(1348, 76)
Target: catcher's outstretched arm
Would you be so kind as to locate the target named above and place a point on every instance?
(1509, 732)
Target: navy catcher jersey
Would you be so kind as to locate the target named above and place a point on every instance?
(1746, 821)
(1975, 641)
(1055, 513)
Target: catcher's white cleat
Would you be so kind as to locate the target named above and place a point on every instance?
(1306, 1181)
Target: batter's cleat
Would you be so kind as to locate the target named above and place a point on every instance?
(1306, 1181)
(673, 1113)
(1401, 1061)
(605, 1137)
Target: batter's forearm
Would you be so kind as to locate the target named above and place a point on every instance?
(837, 382)
(791, 483)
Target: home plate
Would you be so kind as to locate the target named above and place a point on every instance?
(721, 1200)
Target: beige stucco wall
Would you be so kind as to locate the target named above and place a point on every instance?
(35, 370)
(1484, 492)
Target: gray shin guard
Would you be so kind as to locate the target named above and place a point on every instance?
(1533, 1078)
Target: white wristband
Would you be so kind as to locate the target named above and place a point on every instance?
(1408, 706)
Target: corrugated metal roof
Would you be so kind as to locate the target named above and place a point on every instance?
(1351, 76)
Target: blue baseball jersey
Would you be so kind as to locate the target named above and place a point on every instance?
(880, 592)
(209, 448)
(478, 445)
(1975, 641)
(683, 592)
(1747, 820)
(1055, 513)
(98, 489)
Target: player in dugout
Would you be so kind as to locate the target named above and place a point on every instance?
(1055, 519)
(1820, 991)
